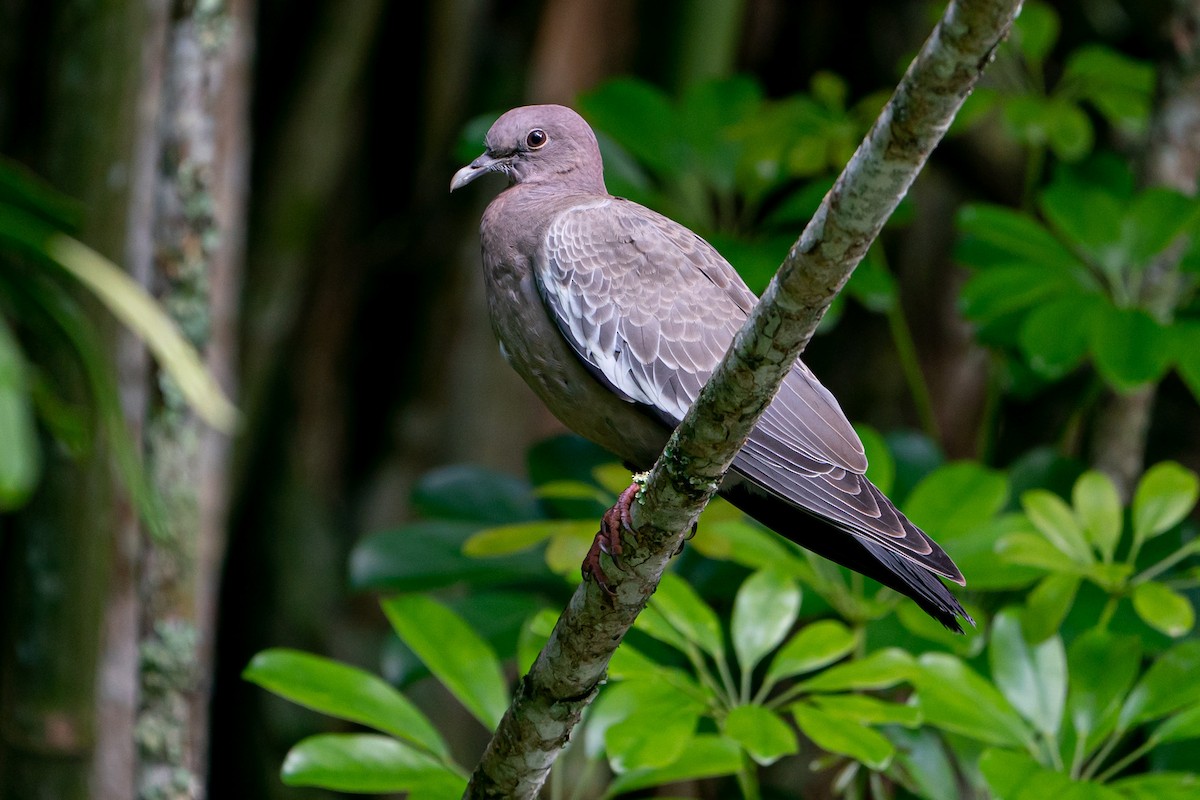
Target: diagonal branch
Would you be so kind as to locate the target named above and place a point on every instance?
(550, 700)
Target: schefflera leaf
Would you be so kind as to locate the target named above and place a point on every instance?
(765, 608)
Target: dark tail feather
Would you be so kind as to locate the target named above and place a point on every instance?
(860, 555)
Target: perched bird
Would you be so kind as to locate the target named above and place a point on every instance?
(616, 316)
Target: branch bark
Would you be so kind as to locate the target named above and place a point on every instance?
(550, 700)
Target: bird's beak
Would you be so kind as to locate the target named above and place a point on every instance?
(485, 163)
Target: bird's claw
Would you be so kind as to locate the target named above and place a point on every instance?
(616, 521)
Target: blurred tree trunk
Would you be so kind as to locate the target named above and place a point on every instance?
(136, 109)
(1171, 159)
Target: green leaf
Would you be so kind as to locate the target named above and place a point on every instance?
(1034, 550)
(923, 761)
(1163, 608)
(764, 610)
(476, 494)
(881, 669)
(1068, 130)
(343, 691)
(1120, 87)
(1033, 679)
(1159, 786)
(975, 553)
(1169, 685)
(1098, 507)
(641, 118)
(1047, 605)
(995, 292)
(421, 556)
(814, 646)
(1058, 524)
(20, 455)
(1103, 667)
(750, 545)
(1017, 776)
(956, 498)
(536, 632)
(707, 756)
(1158, 217)
(1130, 348)
(1179, 727)
(645, 724)
(1035, 31)
(142, 315)
(504, 540)
(454, 653)
(995, 235)
(1164, 496)
(956, 699)
(1091, 220)
(688, 614)
(369, 764)
(761, 733)
(1055, 336)
(868, 710)
(845, 737)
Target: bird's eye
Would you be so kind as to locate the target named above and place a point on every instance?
(536, 138)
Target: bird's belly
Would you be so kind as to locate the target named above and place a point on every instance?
(532, 345)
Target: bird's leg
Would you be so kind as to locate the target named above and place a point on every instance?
(616, 521)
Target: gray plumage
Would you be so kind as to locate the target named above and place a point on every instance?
(616, 316)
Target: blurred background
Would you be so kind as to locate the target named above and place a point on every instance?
(276, 175)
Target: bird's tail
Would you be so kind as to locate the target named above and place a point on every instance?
(854, 551)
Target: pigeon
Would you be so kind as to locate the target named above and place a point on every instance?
(616, 316)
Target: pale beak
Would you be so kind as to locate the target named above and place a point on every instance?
(485, 163)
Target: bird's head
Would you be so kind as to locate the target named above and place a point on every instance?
(536, 144)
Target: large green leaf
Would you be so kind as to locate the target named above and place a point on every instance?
(975, 553)
(343, 691)
(816, 645)
(1159, 786)
(478, 494)
(1179, 727)
(641, 118)
(20, 455)
(1130, 348)
(765, 736)
(994, 235)
(1103, 667)
(1055, 335)
(957, 699)
(1169, 685)
(453, 652)
(1157, 218)
(369, 764)
(504, 540)
(1098, 507)
(707, 756)
(956, 498)
(1057, 522)
(644, 724)
(1091, 221)
(843, 736)
(421, 556)
(1032, 678)
(881, 669)
(1164, 496)
(749, 544)
(1120, 87)
(688, 614)
(764, 610)
(868, 710)
(138, 311)
(1163, 608)
(1017, 776)
(1048, 605)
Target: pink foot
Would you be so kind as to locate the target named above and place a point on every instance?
(615, 522)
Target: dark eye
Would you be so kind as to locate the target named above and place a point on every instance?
(536, 138)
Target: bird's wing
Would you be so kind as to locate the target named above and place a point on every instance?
(651, 308)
